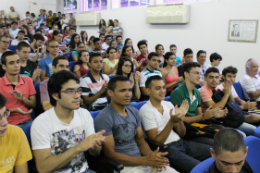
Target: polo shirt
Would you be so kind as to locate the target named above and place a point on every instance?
(105, 46)
(181, 93)
(45, 64)
(118, 46)
(25, 85)
(250, 84)
(206, 95)
(152, 118)
(145, 74)
(178, 60)
(90, 87)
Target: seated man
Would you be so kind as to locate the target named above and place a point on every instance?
(124, 135)
(37, 48)
(215, 59)
(15, 149)
(212, 78)
(18, 90)
(160, 117)
(250, 82)
(142, 46)
(20, 37)
(67, 39)
(106, 44)
(229, 152)
(153, 64)
(188, 57)
(187, 91)
(28, 68)
(98, 47)
(94, 84)
(45, 64)
(201, 59)
(59, 63)
(61, 135)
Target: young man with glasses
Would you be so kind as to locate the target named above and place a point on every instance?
(4, 44)
(45, 64)
(201, 59)
(59, 63)
(18, 90)
(61, 135)
(106, 44)
(12, 157)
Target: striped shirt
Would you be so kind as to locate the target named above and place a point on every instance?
(206, 95)
(249, 85)
(117, 30)
(145, 74)
(90, 87)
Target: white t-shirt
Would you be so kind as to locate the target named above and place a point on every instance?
(16, 42)
(105, 46)
(48, 131)
(64, 21)
(233, 91)
(152, 118)
(13, 14)
(145, 74)
(249, 85)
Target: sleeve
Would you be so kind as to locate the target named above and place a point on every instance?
(85, 88)
(24, 151)
(148, 119)
(248, 85)
(42, 65)
(142, 80)
(138, 117)
(120, 30)
(44, 92)
(205, 95)
(176, 98)
(103, 122)
(40, 135)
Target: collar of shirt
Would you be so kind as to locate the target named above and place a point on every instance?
(6, 81)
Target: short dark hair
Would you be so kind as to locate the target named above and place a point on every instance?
(118, 36)
(148, 82)
(56, 60)
(92, 55)
(200, 52)
(211, 70)
(96, 40)
(21, 45)
(21, 31)
(27, 12)
(215, 56)
(33, 15)
(101, 34)
(71, 28)
(108, 36)
(38, 37)
(140, 43)
(38, 30)
(66, 27)
(41, 24)
(109, 48)
(3, 101)
(5, 55)
(54, 25)
(187, 51)
(228, 140)
(152, 54)
(3, 36)
(188, 66)
(63, 14)
(229, 69)
(112, 82)
(157, 46)
(50, 41)
(173, 45)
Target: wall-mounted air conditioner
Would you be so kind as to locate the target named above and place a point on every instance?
(88, 19)
(171, 13)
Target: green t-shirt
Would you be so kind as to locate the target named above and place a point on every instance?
(181, 93)
(75, 53)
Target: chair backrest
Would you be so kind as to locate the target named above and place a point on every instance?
(203, 166)
(72, 65)
(138, 105)
(239, 90)
(167, 98)
(68, 55)
(111, 76)
(12, 48)
(38, 97)
(94, 113)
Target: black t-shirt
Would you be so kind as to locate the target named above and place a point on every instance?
(28, 70)
(245, 169)
(2, 71)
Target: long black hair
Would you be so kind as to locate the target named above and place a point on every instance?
(126, 40)
(81, 35)
(166, 57)
(104, 23)
(72, 42)
(79, 62)
(111, 23)
(124, 50)
(121, 62)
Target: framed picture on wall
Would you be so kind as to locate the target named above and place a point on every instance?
(242, 31)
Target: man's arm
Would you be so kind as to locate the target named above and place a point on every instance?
(21, 168)
(254, 95)
(93, 98)
(142, 144)
(31, 102)
(46, 105)
(43, 75)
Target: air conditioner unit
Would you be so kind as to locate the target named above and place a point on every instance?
(171, 13)
(88, 19)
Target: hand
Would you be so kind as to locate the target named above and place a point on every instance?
(215, 112)
(19, 111)
(227, 88)
(17, 94)
(180, 79)
(43, 49)
(92, 142)
(164, 74)
(157, 159)
(157, 169)
(180, 112)
(36, 72)
(137, 76)
(104, 87)
(249, 105)
(222, 113)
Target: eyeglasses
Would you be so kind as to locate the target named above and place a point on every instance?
(73, 91)
(126, 66)
(196, 73)
(6, 114)
(6, 42)
(81, 47)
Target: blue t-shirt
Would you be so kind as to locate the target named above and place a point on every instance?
(124, 129)
(41, 20)
(45, 64)
(117, 47)
(178, 60)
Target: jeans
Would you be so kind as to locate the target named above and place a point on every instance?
(203, 140)
(248, 129)
(89, 171)
(23, 124)
(185, 155)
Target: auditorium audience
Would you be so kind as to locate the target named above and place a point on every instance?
(4, 44)
(215, 59)
(124, 138)
(66, 32)
(163, 123)
(108, 39)
(102, 25)
(18, 90)
(201, 59)
(13, 15)
(61, 135)
(173, 49)
(59, 63)
(54, 28)
(117, 30)
(67, 39)
(57, 36)
(187, 57)
(94, 84)
(75, 54)
(129, 42)
(64, 26)
(90, 44)
(27, 33)
(15, 149)
(110, 64)
(81, 68)
(20, 37)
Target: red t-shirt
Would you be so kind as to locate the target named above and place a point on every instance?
(140, 57)
(25, 85)
(50, 36)
(64, 35)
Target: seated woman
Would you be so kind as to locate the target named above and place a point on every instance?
(72, 46)
(128, 52)
(58, 37)
(113, 44)
(81, 68)
(125, 68)
(160, 50)
(171, 70)
(84, 37)
(129, 42)
(75, 54)
(90, 44)
(110, 64)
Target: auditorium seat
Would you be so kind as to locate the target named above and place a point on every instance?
(72, 65)
(68, 55)
(138, 105)
(111, 76)
(94, 113)
(12, 48)
(39, 108)
(167, 98)
(239, 90)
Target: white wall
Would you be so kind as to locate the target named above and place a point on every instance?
(207, 30)
(22, 6)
